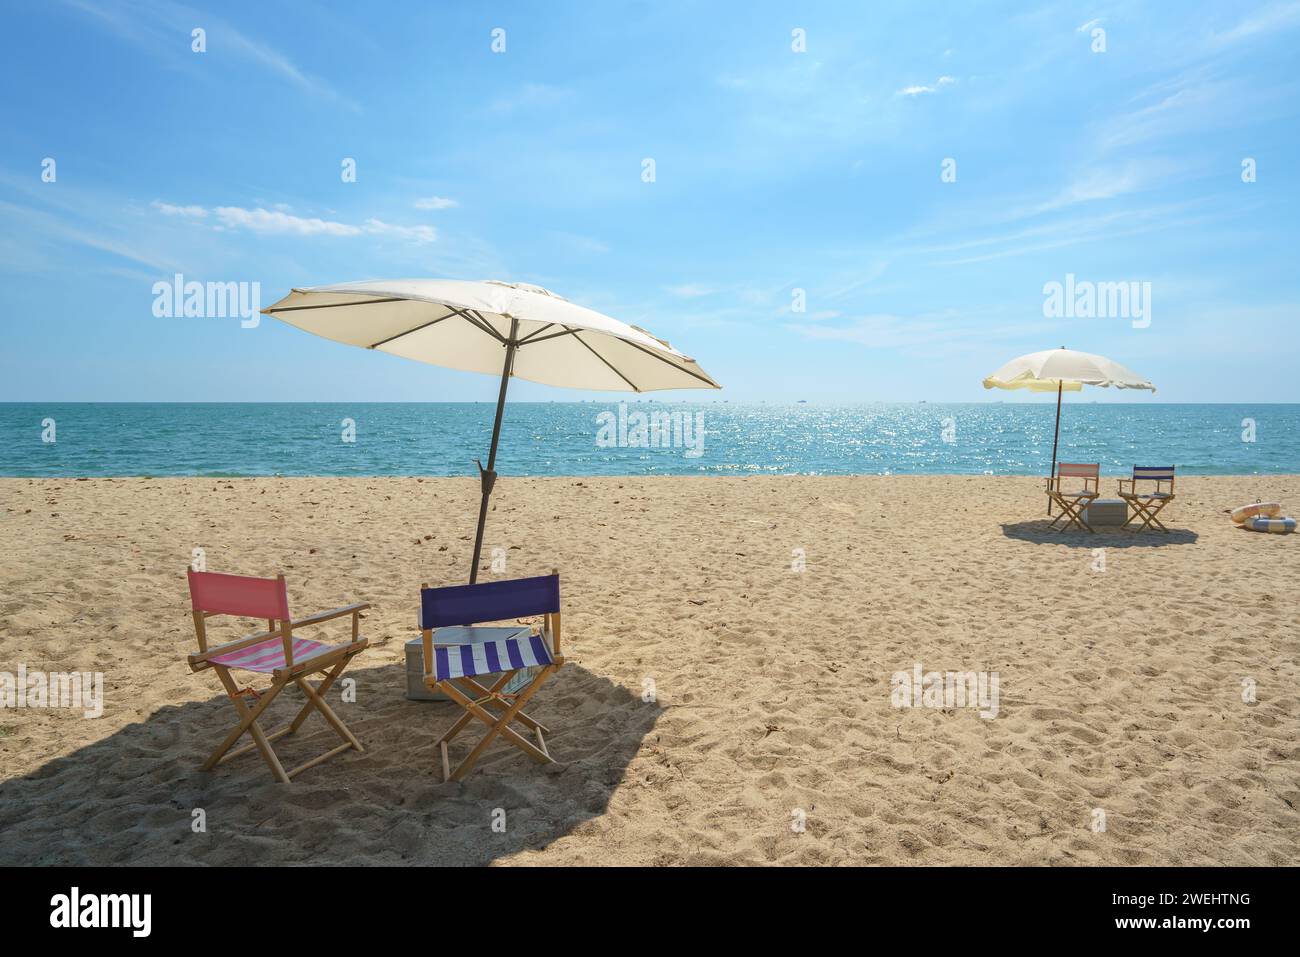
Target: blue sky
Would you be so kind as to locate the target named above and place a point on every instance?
(775, 171)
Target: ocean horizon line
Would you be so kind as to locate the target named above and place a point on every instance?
(1036, 399)
(640, 438)
(611, 476)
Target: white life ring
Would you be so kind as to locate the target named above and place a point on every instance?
(1280, 526)
(1266, 509)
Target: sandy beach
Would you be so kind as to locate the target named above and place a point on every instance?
(1121, 690)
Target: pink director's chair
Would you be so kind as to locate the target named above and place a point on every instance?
(275, 652)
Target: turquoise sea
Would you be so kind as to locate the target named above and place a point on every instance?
(593, 438)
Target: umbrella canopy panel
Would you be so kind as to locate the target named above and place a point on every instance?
(499, 328)
(465, 325)
(1053, 370)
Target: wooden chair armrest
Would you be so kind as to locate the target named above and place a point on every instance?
(330, 615)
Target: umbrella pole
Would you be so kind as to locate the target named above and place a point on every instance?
(1055, 439)
(488, 476)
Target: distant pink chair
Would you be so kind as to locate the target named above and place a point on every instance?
(275, 652)
(1076, 494)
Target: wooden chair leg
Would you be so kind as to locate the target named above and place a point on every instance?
(262, 740)
(326, 683)
(248, 722)
(467, 717)
(498, 725)
(319, 759)
(1083, 522)
(1152, 512)
(1072, 511)
(1135, 512)
(481, 691)
(328, 713)
(252, 746)
(1147, 511)
(268, 753)
(1060, 504)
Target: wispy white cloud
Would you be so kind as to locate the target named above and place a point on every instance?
(531, 96)
(1186, 104)
(435, 202)
(45, 227)
(949, 328)
(416, 234)
(690, 290)
(167, 209)
(931, 88)
(278, 222)
(1273, 19)
(745, 298)
(1111, 181)
(574, 242)
(1069, 233)
(160, 27)
(267, 221)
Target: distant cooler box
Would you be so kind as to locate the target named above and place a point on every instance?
(1106, 511)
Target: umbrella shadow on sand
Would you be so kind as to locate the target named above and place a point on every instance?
(1039, 532)
(134, 796)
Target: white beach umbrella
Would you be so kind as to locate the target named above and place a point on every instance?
(1054, 370)
(1059, 370)
(501, 328)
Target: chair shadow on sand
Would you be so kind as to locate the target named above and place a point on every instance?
(132, 797)
(1039, 532)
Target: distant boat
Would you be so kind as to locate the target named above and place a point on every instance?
(803, 402)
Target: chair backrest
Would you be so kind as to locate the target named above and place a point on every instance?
(1090, 472)
(1153, 473)
(1078, 470)
(489, 601)
(239, 595)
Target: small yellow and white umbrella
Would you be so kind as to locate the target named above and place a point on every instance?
(1061, 370)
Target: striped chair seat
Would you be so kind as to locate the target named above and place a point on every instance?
(1154, 495)
(268, 656)
(489, 657)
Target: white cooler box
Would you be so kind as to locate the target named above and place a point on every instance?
(1106, 511)
(416, 689)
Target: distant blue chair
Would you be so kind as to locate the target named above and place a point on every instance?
(1147, 505)
(452, 669)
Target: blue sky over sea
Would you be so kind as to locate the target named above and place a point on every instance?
(790, 168)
